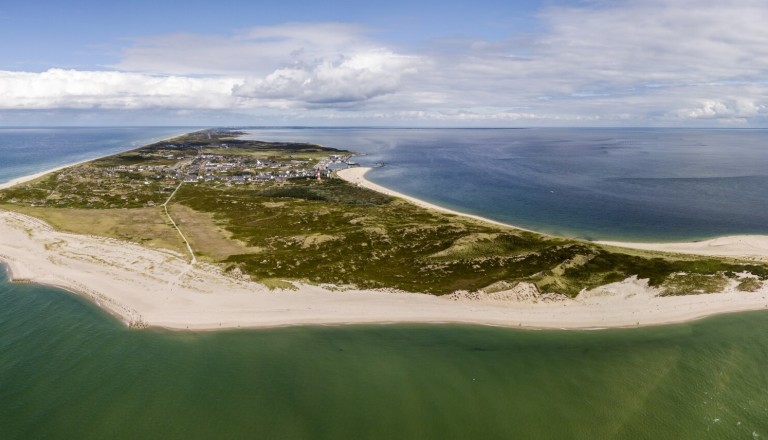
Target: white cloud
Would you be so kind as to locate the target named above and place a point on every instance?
(354, 78)
(629, 62)
(253, 52)
(57, 88)
(728, 110)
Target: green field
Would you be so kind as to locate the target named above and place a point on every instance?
(328, 231)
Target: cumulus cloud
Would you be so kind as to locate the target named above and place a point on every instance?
(354, 78)
(279, 67)
(740, 110)
(57, 88)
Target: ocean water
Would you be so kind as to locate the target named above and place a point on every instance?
(68, 370)
(25, 151)
(618, 184)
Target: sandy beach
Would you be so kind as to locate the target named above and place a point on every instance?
(146, 287)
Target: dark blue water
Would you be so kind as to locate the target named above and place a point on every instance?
(626, 184)
(25, 151)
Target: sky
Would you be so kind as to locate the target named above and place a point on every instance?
(485, 63)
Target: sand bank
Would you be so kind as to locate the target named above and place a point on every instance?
(738, 246)
(146, 287)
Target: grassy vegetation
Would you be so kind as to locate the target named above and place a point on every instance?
(211, 241)
(383, 242)
(685, 283)
(333, 232)
(148, 175)
(148, 226)
(749, 285)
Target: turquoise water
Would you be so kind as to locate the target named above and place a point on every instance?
(68, 370)
(619, 184)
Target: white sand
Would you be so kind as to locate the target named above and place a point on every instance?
(753, 247)
(157, 288)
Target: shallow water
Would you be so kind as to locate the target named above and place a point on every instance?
(620, 184)
(68, 370)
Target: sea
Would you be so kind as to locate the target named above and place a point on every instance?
(623, 184)
(70, 370)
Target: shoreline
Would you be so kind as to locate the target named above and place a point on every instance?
(23, 179)
(157, 288)
(356, 176)
(735, 246)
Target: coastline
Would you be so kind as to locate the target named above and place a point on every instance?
(146, 287)
(30, 177)
(356, 176)
(736, 246)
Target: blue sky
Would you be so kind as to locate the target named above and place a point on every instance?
(91, 34)
(293, 62)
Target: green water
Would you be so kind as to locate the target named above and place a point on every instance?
(69, 371)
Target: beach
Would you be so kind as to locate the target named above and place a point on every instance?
(145, 287)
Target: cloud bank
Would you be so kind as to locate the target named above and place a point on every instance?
(649, 62)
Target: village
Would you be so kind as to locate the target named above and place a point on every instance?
(147, 176)
(229, 170)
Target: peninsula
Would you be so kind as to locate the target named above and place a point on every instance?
(209, 230)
